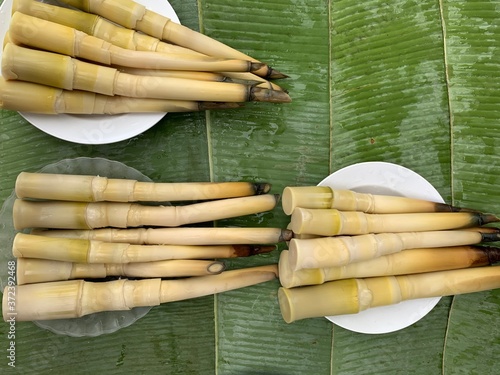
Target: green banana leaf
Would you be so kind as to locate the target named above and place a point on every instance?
(407, 82)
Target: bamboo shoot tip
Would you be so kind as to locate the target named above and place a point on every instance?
(262, 188)
(488, 218)
(255, 250)
(275, 74)
(260, 94)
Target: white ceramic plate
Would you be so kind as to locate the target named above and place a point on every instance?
(386, 179)
(92, 129)
(88, 325)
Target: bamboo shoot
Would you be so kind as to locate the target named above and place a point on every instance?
(81, 215)
(36, 98)
(200, 76)
(332, 222)
(98, 27)
(67, 73)
(77, 250)
(30, 271)
(348, 200)
(123, 37)
(76, 298)
(133, 15)
(54, 37)
(85, 188)
(341, 250)
(405, 262)
(351, 296)
(176, 236)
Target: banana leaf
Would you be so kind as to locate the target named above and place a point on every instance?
(408, 82)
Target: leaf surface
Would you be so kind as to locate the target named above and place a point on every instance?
(408, 82)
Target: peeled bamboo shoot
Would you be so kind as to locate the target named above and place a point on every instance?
(332, 222)
(76, 298)
(133, 15)
(98, 27)
(176, 236)
(54, 37)
(351, 296)
(67, 73)
(123, 37)
(404, 262)
(30, 271)
(93, 251)
(341, 250)
(36, 98)
(201, 76)
(85, 188)
(348, 200)
(80, 215)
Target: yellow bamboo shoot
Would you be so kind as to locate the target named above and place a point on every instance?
(67, 73)
(348, 200)
(36, 98)
(133, 15)
(97, 26)
(86, 188)
(201, 76)
(176, 236)
(351, 296)
(30, 271)
(341, 250)
(123, 37)
(76, 298)
(77, 250)
(54, 37)
(405, 262)
(81, 215)
(332, 222)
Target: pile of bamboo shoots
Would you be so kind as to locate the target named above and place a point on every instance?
(91, 243)
(109, 57)
(352, 251)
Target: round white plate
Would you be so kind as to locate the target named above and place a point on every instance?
(92, 129)
(88, 325)
(385, 179)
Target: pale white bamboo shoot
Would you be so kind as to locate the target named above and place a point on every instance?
(31, 270)
(332, 222)
(87, 188)
(176, 236)
(349, 200)
(338, 251)
(79, 215)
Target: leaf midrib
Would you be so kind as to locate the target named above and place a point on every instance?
(450, 116)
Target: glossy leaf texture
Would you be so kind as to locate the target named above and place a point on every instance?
(408, 82)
